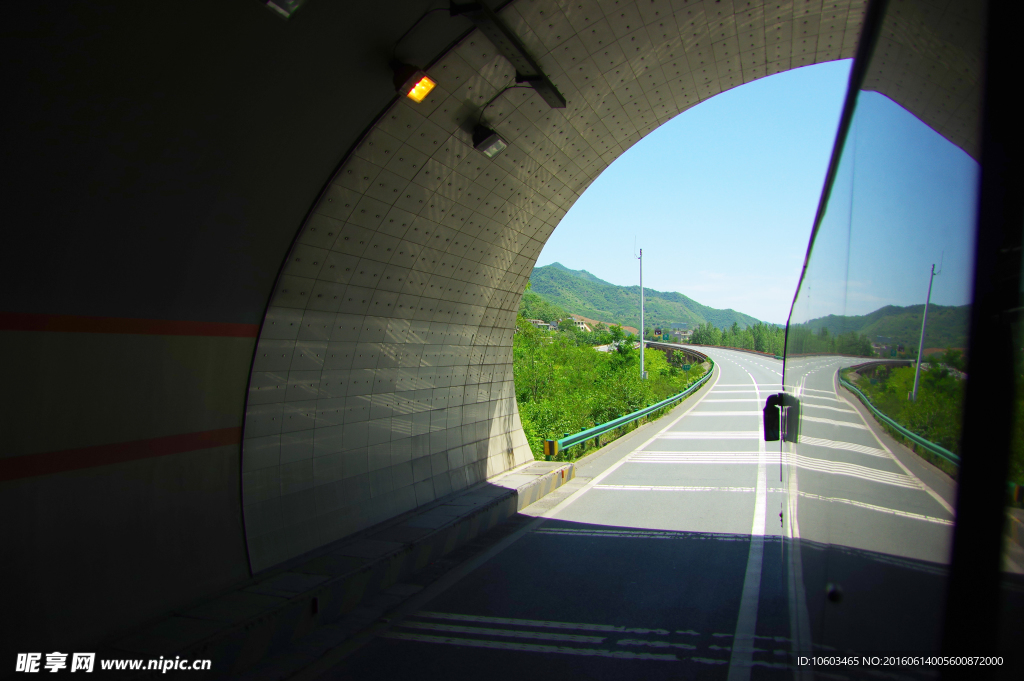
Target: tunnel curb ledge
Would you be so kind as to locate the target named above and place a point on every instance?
(263, 617)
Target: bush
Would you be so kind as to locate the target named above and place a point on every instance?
(936, 415)
(563, 386)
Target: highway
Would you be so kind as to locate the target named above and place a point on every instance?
(667, 556)
(873, 519)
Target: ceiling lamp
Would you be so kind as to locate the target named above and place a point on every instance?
(508, 44)
(488, 142)
(411, 81)
(284, 8)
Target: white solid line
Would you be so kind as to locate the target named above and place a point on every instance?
(575, 496)
(726, 413)
(509, 633)
(799, 614)
(822, 406)
(712, 435)
(848, 446)
(742, 653)
(654, 644)
(527, 647)
(710, 452)
(815, 390)
(669, 488)
(676, 457)
(855, 471)
(637, 534)
(932, 493)
(820, 397)
(716, 456)
(736, 399)
(832, 422)
(547, 624)
(800, 461)
(882, 509)
(646, 534)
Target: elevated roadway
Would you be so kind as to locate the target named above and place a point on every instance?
(666, 557)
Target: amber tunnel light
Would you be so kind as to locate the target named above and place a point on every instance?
(411, 81)
(420, 89)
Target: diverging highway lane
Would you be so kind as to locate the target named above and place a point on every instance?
(673, 554)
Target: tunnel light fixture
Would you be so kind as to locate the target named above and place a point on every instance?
(488, 142)
(411, 81)
(284, 8)
(509, 45)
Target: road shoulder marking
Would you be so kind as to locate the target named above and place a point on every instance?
(932, 493)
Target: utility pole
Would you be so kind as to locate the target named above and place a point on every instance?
(643, 374)
(924, 323)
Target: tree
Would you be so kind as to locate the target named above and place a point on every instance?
(706, 333)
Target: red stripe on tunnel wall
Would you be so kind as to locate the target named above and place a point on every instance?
(20, 321)
(48, 463)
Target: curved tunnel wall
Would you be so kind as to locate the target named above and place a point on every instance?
(383, 376)
(159, 189)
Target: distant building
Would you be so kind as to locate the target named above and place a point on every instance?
(541, 324)
(612, 347)
(584, 324)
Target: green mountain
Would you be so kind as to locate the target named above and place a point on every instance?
(580, 292)
(947, 325)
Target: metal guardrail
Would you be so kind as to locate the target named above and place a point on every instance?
(729, 347)
(913, 437)
(553, 447)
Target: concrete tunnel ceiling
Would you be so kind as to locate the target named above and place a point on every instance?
(383, 375)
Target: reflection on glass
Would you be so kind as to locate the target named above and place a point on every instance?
(871, 478)
(1013, 544)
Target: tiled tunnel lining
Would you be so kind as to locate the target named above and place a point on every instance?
(383, 376)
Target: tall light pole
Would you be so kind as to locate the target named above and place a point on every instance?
(643, 374)
(924, 323)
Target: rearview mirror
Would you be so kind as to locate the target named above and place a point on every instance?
(772, 418)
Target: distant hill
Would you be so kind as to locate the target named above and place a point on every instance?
(947, 325)
(580, 292)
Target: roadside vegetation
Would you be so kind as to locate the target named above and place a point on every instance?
(936, 415)
(760, 336)
(564, 385)
(1016, 474)
(533, 306)
(803, 340)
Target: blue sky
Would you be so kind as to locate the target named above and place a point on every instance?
(914, 204)
(721, 198)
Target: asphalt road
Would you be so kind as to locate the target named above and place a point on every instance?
(873, 519)
(672, 554)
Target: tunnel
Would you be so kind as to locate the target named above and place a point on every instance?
(256, 301)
